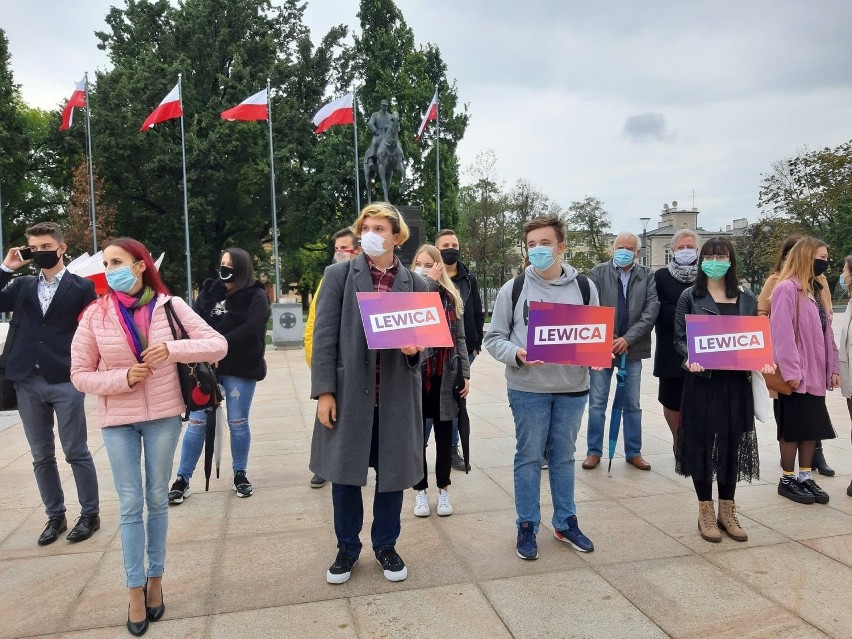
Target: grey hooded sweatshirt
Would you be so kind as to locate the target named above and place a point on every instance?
(507, 334)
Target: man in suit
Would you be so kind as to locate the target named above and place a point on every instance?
(631, 290)
(38, 361)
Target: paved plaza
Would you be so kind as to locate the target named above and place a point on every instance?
(256, 567)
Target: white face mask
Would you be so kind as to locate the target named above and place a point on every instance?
(421, 270)
(342, 257)
(372, 243)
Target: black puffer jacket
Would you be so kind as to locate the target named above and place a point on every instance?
(241, 318)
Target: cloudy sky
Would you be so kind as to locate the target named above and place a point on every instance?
(636, 103)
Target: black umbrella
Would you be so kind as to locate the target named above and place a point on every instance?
(464, 418)
(209, 444)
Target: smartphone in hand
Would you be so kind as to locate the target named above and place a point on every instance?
(26, 253)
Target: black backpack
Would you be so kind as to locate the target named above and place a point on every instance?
(518, 286)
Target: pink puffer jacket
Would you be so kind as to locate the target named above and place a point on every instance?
(101, 357)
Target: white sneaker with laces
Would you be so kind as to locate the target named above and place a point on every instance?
(421, 504)
(445, 508)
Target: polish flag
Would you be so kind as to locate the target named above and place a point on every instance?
(431, 114)
(169, 109)
(77, 99)
(339, 111)
(253, 108)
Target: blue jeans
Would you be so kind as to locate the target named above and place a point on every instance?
(239, 393)
(631, 414)
(545, 422)
(349, 509)
(124, 445)
(38, 401)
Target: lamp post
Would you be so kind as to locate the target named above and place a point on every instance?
(646, 257)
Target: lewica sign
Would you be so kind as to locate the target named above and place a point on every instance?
(725, 342)
(394, 320)
(570, 334)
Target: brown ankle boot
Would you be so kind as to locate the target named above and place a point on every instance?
(707, 522)
(729, 522)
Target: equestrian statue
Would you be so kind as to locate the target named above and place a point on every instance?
(384, 156)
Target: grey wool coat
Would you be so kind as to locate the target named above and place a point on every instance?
(458, 360)
(342, 364)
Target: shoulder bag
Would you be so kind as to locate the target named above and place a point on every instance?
(198, 384)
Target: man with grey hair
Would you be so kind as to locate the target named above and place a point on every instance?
(630, 288)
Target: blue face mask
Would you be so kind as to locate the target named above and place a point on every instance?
(541, 257)
(623, 257)
(121, 279)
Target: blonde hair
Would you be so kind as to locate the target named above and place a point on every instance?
(444, 280)
(800, 263)
(386, 210)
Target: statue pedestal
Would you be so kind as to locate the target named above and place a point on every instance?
(414, 218)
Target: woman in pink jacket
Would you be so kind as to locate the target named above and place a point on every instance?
(124, 353)
(804, 349)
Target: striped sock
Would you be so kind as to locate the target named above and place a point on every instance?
(804, 474)
(788, 475)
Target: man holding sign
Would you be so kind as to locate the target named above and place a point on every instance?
(547, 400)
(369, 401)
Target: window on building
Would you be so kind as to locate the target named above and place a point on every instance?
(668, 255)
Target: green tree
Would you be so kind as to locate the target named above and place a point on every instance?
(225, 50)
(13, 139)
(526, 202)
(588, 223)
(487, 233)
(759, 246)
(388, 65)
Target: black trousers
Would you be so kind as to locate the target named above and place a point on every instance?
(443, 438)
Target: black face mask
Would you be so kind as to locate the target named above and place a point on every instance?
(226, 273)
(450, 255)
(46, 259)
(820, 267)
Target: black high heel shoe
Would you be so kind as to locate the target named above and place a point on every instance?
(155, 613)
(137, 628)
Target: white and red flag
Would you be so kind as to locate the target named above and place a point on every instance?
(253, 108)
(169, 109)
(431, 114)
(77, 99)
(339, 111)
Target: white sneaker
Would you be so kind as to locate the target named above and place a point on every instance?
(421, 504)
(445, 508)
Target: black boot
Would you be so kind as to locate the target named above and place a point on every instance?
(820, 464)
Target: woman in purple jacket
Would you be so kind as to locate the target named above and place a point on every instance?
(804, 349)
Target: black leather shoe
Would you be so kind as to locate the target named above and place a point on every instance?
(84, 528)
(792, 489)
(820, 496)
(155, 613)
(54, 527)
(136, 628)
(849, 490)
(820, 465)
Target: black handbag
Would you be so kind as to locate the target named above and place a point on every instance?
(198, 384)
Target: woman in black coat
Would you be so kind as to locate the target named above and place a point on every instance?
(671, 281)
(237, 306)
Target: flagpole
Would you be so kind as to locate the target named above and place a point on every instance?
(272, 192)
(185, 198)
(357, 171)
(94, 219)
(437, 160)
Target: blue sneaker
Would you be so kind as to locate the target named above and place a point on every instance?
(574, 536)
(527, 548)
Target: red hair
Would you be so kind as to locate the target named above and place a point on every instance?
(150, 276)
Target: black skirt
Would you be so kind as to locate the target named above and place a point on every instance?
(670, 392)
(802, 417)
(716, 435)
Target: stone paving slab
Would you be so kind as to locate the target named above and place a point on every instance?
(256, 567)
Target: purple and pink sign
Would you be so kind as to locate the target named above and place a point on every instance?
(394, 320)
(726, 342)
(570, 334)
